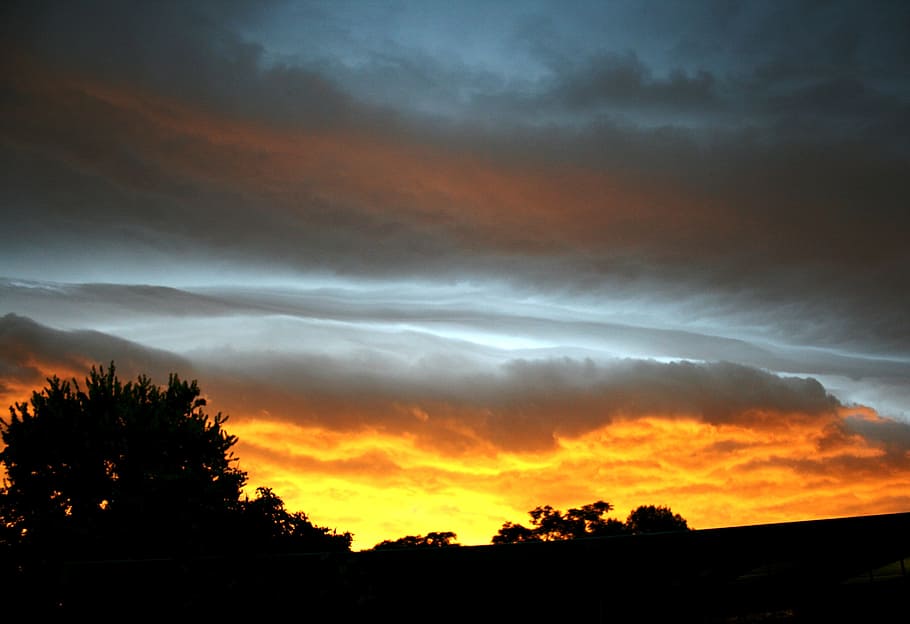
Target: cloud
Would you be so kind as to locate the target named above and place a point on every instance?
(421, 340)
(189, 51)
(685, 217)
(852, 283)
(893, 436)
(721, 443)
(623, 82)
(518, 405)
(166, 182)
(30, 352)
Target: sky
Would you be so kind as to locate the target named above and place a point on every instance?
(441, 263)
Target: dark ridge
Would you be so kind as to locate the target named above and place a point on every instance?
(844, 569)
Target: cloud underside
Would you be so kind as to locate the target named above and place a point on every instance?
(478, 259)
(753, 162)
(169, 184)
(723, 443)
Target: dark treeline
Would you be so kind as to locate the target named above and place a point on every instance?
(551, 525)
(124, 499)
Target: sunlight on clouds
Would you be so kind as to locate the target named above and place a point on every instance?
(714, 475)
(592, 281)
(371, 446)
(376, 485)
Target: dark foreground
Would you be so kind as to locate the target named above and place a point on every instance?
(840, 570)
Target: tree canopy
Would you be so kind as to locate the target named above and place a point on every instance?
(549, 524)
(438, 539)
(133, 469)
(268, 527)
(651, 519)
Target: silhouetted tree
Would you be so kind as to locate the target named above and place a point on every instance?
(591, 521)
(268, 527)
(441, 539)
(133, 470)
(651, 519)
(550, 524)
(127, 467)
(511, 533)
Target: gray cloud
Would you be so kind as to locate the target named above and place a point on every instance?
(522, 404)
(30, 351)
(187, 50)
(474, 318)
(765, 222)
(622, 85)
(478, 228)
(302, 63)
(894, 436)
(753, 188)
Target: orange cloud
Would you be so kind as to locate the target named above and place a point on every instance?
(383, 478)
(392, 460)
(383, 485)
(151, 142)
(721, 444)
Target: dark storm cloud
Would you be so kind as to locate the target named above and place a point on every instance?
(718, 392)
(894, 436)
(29, 352)
(832, 69)
(751, 61)
(522, 405)
(189, 50)
(766, 165)
(624, 81)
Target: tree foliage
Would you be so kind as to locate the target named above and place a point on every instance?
(132, 470)
(651, 519)
(269, 527)
(549, 524)
(440, 539)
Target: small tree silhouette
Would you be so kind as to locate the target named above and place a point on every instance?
(551, 524)
(441, 539)
(651, 519)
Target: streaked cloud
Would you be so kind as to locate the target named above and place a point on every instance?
(482, 257)
(725, 443)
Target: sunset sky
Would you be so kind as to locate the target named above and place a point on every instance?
(443, 262)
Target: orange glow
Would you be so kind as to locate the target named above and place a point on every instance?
(385, 478)
(382, 485)
(20, 391)
(384, 471)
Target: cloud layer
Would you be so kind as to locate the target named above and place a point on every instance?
(476, 247)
